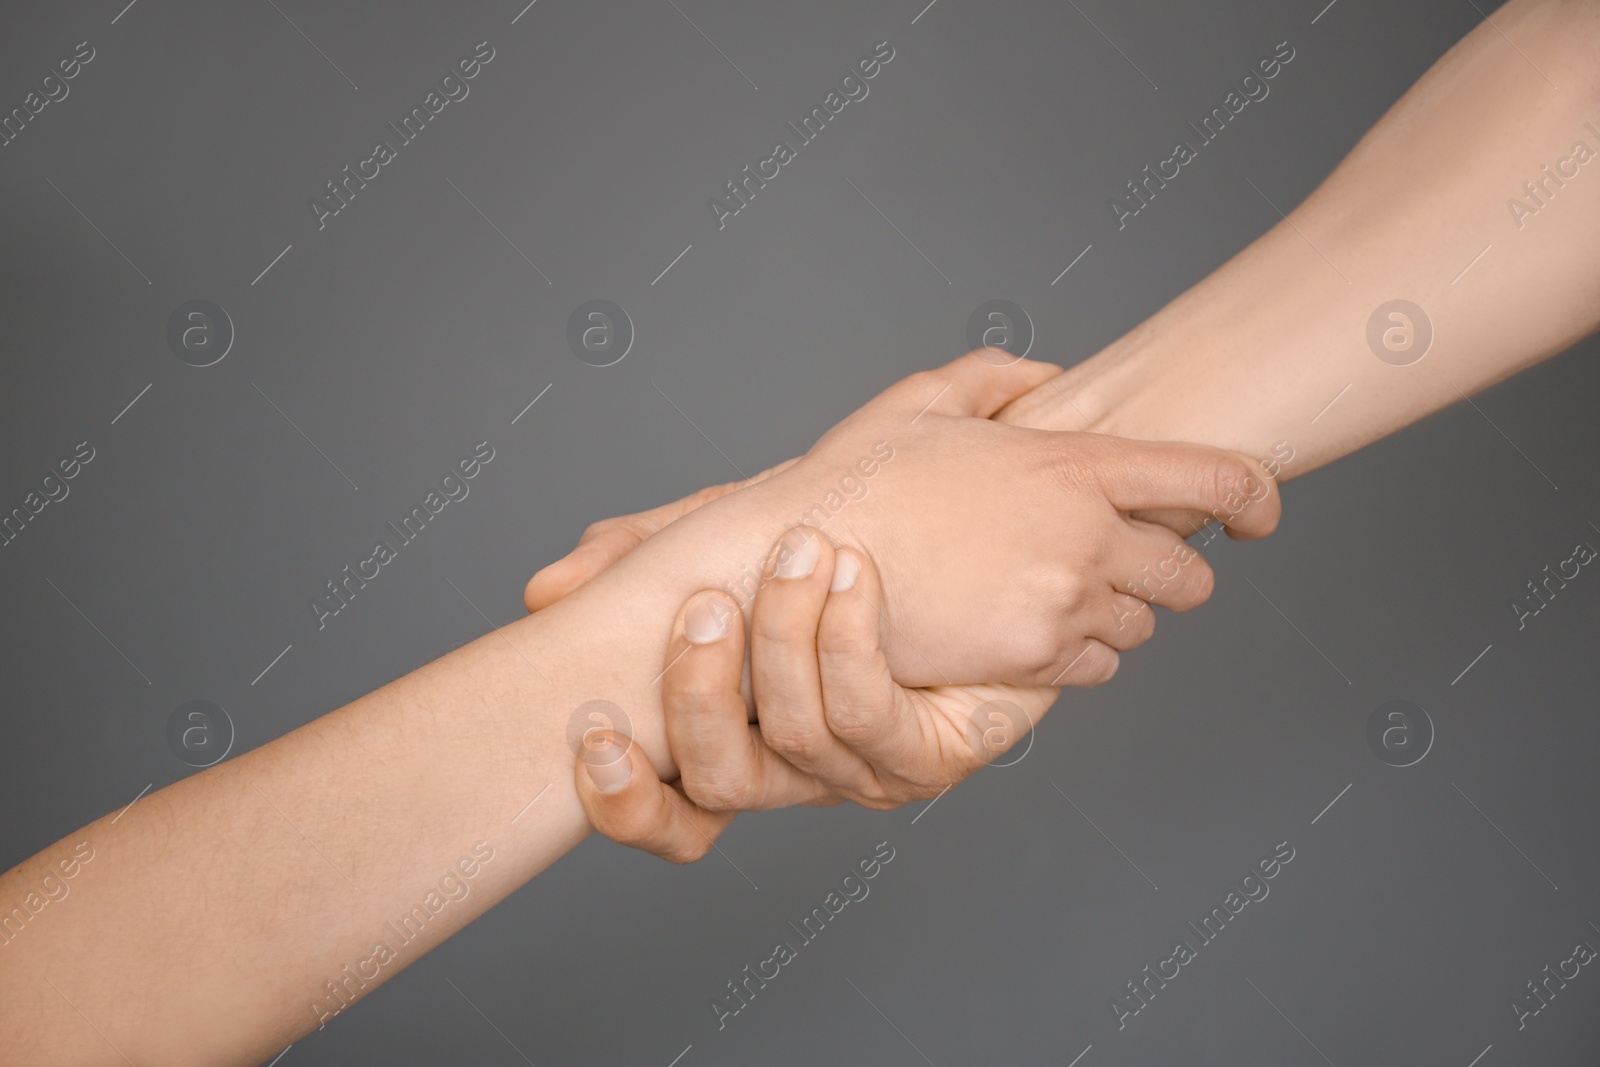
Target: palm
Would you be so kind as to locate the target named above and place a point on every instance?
(966, 726)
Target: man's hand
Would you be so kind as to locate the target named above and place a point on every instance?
(834, 725)
(971, 550)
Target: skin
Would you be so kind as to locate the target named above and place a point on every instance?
(236, 893)
(818, 669)
(259, 890)
(1252, 354)
(1269, 355)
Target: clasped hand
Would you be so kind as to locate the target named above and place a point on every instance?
(900, 642)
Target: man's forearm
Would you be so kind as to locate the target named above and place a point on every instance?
(1274, 347)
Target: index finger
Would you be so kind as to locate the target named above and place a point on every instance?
(1226, 486)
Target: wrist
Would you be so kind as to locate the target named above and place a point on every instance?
(1222, 365)
(607, 640)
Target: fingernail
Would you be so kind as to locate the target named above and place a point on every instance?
(797, 553)
(608, 765)
(706, 620)
(845, 569)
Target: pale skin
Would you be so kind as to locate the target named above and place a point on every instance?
(236, 893)
(1249, 360)
(244, 892)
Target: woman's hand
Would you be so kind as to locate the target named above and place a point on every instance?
(1007, 554)
(1010, 554)
(608, 540)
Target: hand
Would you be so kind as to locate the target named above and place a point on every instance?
(833, 722)
(833, 725)
(608, 540)
(1064, 588)
(1007, 554)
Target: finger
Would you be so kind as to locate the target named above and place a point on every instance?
(607, 541)
(1093, 663)
(1230, 487)
(1183, 523)
(723, 762)
(603, 545)
(783, 662)
(1157, 566)
(626, 802)
(863, 706)
(996, 717)
(980, 383)
(1129, 622)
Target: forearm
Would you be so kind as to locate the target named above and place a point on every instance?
(239, 892)
(276, 888)
(1273, 346)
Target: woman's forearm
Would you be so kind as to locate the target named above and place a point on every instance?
(277, 888)
(1274, 346)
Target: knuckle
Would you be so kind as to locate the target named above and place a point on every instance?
(1232, 482)
(1096, 665)
(685, 848)
(923, 781)
(638, 527)
(989, 360)
(1102, 546)
(1136, 626)
(696, 697)
(1072, 594)
(719, 791)
(929, 786)
(704, 496)
(851, 721)
(598, 529)
(629, 826)
(1192, 584)
(885, 798)
(778, 622)
(846, 639)
(845, 661)
(916, 388)
(1269, 506)
(795, 743)
(1105, 667)
(1041, 653)
(874, 793)
(1202, 582)
(1030, 651)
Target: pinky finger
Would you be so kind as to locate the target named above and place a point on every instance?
(627, 802)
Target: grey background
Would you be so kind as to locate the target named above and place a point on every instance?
(409, 329)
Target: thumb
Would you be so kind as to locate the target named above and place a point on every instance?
(978, 384)
(608, 540)
(602, 545)
(627, 802)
